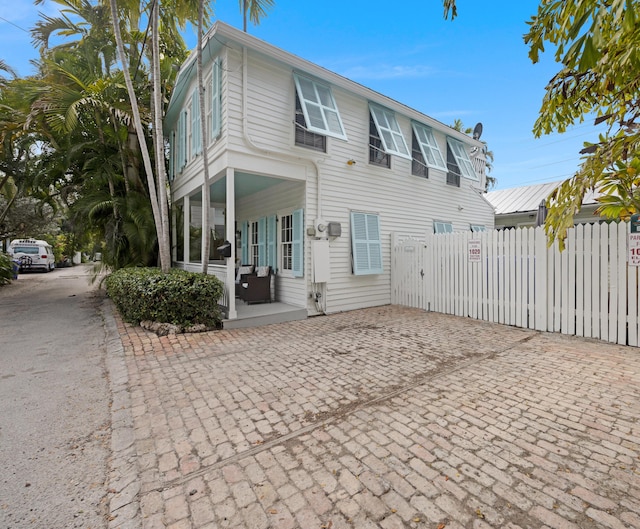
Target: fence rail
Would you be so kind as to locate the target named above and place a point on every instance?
(513, 277)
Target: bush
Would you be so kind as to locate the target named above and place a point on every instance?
(179, 297)
(6, 269)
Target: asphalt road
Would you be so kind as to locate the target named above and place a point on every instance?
(54, 402)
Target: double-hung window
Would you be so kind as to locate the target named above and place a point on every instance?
(318, 107)
(476, 228)
(425, 151)
(458, 163)
(391, 138)
(366, 244)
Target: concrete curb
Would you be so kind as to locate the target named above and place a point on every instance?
(124, 476)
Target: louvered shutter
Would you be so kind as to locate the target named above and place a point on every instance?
(298, 243)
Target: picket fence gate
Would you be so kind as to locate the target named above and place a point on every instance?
(513, 277)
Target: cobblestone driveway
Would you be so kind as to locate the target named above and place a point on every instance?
(386, 417)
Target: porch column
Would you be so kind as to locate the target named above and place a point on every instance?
(185, 230)
(231, 237)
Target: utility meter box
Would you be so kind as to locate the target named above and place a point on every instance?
(321, 263)
(334, 229)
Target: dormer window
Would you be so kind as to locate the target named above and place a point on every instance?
(318, 107)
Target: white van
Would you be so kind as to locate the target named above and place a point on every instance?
(32, 254)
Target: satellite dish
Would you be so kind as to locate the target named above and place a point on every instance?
(477, 131)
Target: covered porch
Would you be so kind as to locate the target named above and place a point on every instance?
(232, 192)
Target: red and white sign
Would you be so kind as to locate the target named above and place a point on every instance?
(475, 250)
(634, 249)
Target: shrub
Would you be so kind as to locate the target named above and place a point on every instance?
(179, 297)
(6, 269)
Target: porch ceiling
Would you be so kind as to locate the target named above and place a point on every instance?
(246, 184)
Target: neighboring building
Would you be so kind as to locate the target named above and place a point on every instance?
(517, 207)
(310, 173)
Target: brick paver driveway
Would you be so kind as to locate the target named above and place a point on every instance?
(386, 417)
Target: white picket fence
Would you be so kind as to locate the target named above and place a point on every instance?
(586, 290)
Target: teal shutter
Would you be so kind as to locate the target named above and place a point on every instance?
(272, 238)
(262, 241)
(196, 133)
(172, 154)
(298, 243)
(244, 243)
(366, 246)
(216, 102)
(182, 151)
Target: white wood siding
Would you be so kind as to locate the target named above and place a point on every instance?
(405, 203)
(287, 195)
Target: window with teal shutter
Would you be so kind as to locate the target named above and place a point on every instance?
(389, 131)
(244, 243)
(272, 238)
(262, 241)
(428, 146)
(216, 100)
(172, 154)
(196, 132)
(459, 151)
(366, 245)
(319, 107)
(182, 140)
(298, 243)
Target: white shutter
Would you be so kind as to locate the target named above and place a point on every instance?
(389, 131)
(319, 107)
(462, 159)
(429, 147)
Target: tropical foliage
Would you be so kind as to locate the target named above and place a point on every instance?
(82, 138)
(596, 43)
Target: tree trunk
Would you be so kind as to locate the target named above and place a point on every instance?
(164, 250)
(206, 198)
(158, 136)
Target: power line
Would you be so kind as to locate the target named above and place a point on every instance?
(15, 25)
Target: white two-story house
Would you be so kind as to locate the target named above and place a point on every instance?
(310, 173)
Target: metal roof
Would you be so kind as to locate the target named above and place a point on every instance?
(527, 198)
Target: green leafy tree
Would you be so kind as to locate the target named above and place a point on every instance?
(596, 42)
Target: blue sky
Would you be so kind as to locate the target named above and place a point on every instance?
(475, 68)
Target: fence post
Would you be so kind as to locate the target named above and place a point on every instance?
(540, 259)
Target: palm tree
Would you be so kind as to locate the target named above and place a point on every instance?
(161, 223)
(256, 10)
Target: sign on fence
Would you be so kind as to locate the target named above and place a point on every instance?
(475, 250)
(634, 249)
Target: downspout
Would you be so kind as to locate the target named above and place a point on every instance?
(249, 141)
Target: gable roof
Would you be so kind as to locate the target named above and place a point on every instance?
(527, 198)
(222, 34)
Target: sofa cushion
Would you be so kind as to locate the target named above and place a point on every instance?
(263, 271)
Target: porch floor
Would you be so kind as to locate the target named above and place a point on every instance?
(259, 314)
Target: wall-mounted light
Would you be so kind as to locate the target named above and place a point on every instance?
(351, 162)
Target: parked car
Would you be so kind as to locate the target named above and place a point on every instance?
(32, 254)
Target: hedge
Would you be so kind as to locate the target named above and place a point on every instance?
(178, 297)
(6, 269)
